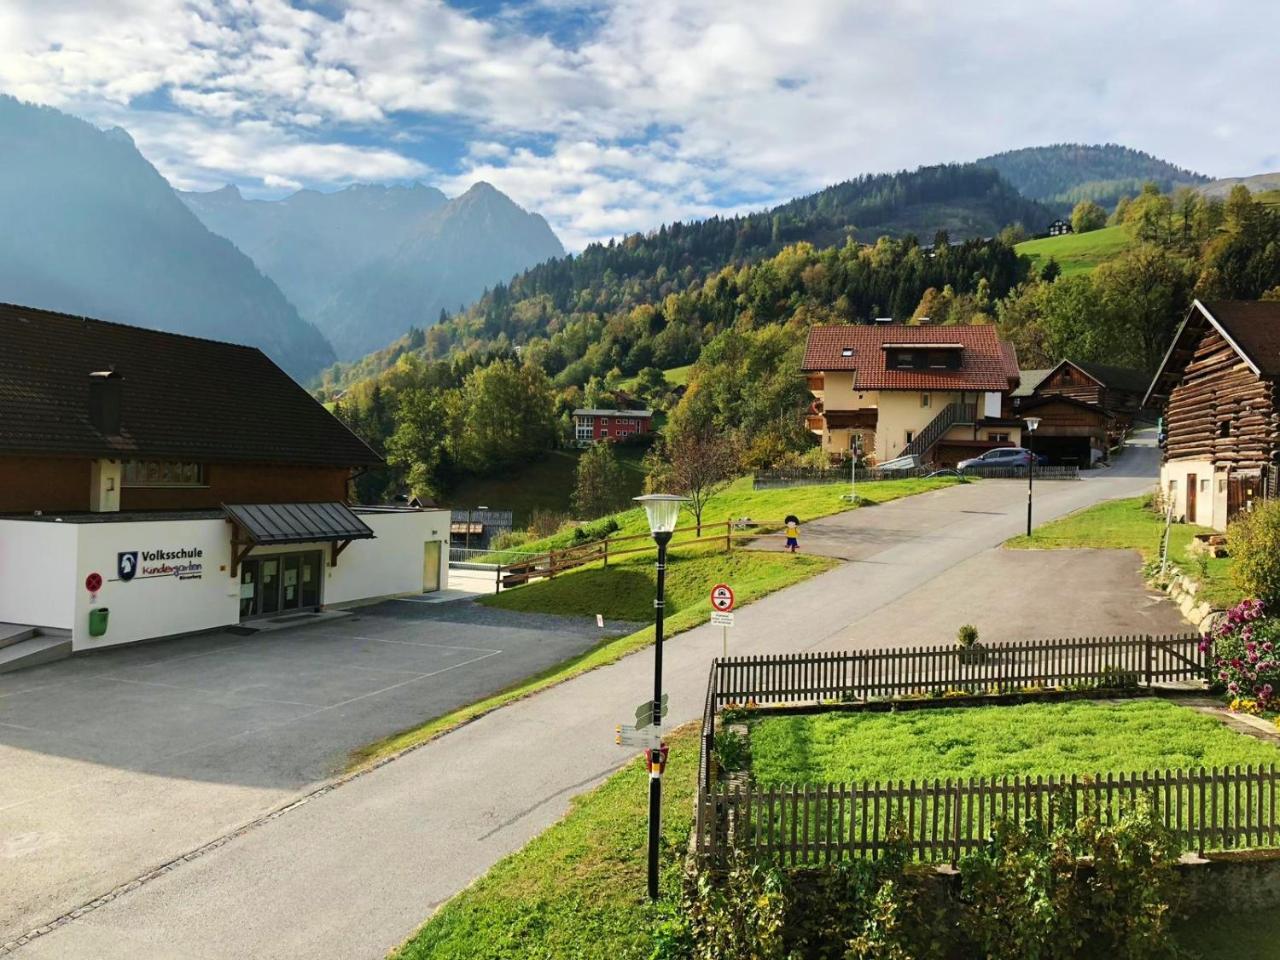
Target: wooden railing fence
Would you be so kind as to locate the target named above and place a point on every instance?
(1223, 808)
(1213, 809)
(998, 668)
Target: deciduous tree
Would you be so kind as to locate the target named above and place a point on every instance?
(599, 488)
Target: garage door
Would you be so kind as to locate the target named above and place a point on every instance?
(1064, 450)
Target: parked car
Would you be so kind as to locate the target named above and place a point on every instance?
(1001, 458)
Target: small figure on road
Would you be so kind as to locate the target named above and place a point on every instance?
(793, 532)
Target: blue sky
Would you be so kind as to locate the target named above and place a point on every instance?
(610, 117)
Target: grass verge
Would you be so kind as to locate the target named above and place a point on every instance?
(1079, 737)
(740, 500)
(1132, 525)
(625, 592)
(578, 889)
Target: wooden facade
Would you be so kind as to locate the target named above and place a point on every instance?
(1217, 390)
(1222, 410)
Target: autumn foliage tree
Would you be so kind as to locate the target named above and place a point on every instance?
(695, 463)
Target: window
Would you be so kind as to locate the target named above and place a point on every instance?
(1204, 485)
(604, 432)
(604, 421)
(1222, 485)
(924, 399)
(583, 430)
(162, 473)
(846, 351)
(1066, 375)
(998, 437)
(904, 360)
(1224, 428)
(911, 435)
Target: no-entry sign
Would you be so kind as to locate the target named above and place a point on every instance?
(93, 582)
(722, 597)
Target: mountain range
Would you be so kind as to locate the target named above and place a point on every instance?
(92, 228)
(366, 263)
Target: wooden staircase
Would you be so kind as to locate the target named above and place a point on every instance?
(953, 414)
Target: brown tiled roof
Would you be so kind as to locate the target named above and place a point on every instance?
(986, 362)
(184, 398)
(1254, 325)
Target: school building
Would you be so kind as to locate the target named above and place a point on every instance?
(153, 485)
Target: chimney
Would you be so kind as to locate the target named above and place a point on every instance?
(105, 390)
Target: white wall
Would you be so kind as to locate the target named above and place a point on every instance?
(392, 564)
(43, 567)
(155, 606)
(38, 586)
(1211, 507)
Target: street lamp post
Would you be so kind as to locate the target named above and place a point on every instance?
(662, 510)
(1032, 424)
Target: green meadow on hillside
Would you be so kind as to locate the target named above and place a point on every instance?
(1078, 252)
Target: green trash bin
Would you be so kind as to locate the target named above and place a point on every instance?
(98, 621)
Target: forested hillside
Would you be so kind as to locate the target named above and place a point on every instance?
(580, 291)
(1065, 173)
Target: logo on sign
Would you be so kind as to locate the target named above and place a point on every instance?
(127, 565)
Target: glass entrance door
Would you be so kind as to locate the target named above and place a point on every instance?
(280, 583)
(248, 588)
(269, 601)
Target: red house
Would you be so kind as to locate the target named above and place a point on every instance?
(592, 426)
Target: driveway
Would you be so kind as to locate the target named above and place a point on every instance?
(354, 871)
(118, 761)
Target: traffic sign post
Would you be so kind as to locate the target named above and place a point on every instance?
(722, 602)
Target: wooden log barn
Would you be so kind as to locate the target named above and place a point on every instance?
(1217, 389)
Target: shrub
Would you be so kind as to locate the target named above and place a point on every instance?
(1253, 540)
(1244, 655)
(543, 523)
(733, 750)
(737, 915)
(509, 540)
(967, 636)
(1084, 889)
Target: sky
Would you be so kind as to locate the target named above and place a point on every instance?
(613, 117)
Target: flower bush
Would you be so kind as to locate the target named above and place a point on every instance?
(1245, 659)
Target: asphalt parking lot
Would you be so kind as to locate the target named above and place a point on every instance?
(118, 761)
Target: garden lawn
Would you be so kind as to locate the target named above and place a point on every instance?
(1080, 737)
(1078, 252)
(740, 500)
(578, 889)
(1132, 525)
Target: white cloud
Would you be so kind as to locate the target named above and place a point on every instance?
(656, 109)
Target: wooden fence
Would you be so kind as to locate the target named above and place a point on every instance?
(906, 671)
(941, 820)
(1208, 810)
(806, 476)
(538, 566)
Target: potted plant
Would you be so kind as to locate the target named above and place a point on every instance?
(971, 651)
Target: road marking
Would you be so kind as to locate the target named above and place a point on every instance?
(414, 643)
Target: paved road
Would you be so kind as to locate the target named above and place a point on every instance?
(355, 870)
(117, 761)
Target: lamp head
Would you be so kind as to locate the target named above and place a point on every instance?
(663, 510)
(1032, 424)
